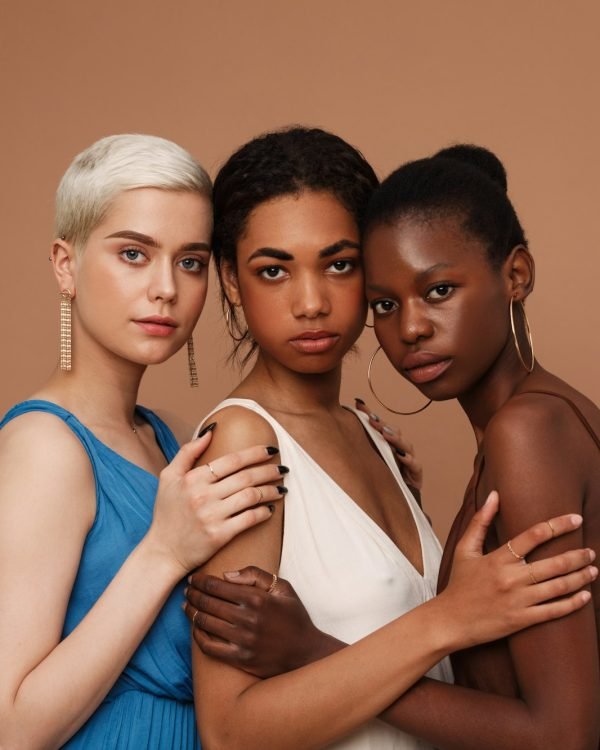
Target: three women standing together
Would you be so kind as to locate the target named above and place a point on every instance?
(114, 529)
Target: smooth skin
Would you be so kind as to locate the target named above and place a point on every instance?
(432, 289)
(148, 256)
(298, 263)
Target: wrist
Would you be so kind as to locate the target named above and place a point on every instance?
(444, 628)
(161, 560)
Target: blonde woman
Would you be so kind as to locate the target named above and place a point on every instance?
(91, 512)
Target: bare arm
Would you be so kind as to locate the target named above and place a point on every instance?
(47, 506)
(302, 708)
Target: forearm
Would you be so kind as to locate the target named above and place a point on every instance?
(88, 662)
(303, 709)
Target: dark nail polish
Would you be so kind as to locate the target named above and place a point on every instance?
(271, 507)
(272, 450)
(209, 428)
(283, 469)
(282, 490)
(400, 452)
(359, 401)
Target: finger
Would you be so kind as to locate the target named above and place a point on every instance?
(562, 564)
(190, 612)
(189, 453)
(252, 476)
(471, 543)
(234, 614)
(251, 576)
(251, 497)
(245, 520)
(231, 463)
(563, 585)
(374, 418)
(229, 591)
(229, 653)
(528, 540)
(397, 441)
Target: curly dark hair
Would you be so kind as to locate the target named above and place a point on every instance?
(283, 162)
(465, 181)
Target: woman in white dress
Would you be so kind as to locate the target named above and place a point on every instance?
(353, 542)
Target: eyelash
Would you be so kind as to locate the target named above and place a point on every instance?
(201, 264)
(349, 265)
(394, 305)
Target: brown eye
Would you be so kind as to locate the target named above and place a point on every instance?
(440, 291)
(383, 306)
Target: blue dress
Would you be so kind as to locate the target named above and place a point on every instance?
(150, 707)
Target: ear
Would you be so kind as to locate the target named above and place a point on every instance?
(64, 260)
(519, 272)
(230, 283)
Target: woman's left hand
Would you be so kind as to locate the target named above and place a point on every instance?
(404, 452)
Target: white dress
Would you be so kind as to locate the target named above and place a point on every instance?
(348, 573)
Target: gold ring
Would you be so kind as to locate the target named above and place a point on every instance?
(261, 497)
(530, 571)
(551, 529)
(273, 584)
(513, 553)
(213, 472)
(196, 613)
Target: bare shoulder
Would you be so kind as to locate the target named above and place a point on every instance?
(237, 428)
(180, 427)
(43, 463)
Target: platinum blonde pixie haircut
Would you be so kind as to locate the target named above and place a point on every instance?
(112, 165)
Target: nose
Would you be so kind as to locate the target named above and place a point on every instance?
(310, 298)
(162, 284)
(415, 323)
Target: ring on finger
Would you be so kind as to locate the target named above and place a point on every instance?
(273, 584)
(261, 497)
(213, 472)
(534, 580)
(551, 529)
(513, 553)
(196, 613)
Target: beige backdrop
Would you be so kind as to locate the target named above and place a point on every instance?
(399, 79)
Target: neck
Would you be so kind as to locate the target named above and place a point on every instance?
(504, 379)
(283, 390)
(101, 388)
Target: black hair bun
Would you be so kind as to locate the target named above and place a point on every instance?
(478, 157)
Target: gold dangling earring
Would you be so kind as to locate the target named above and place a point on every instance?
(402, 413)
(229, 325)
(193, 373)
(65, 329)
(527, 333)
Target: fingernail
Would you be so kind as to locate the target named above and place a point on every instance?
(189, 578)
(359, 401)
(282, 490)
(271, 507)
(400, 452)
(576, 519)
(283, 470)
(592, 554)
(209, 428)
(593, 572)
(185, 590)
(232, 574)
(272, 450)
(183, 606)
(374, 417)
(388, 430)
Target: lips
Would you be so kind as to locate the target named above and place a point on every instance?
(157, 325)
(314, 341)
(423, 367)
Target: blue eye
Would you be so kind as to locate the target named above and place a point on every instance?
(195, 265)
(383, 306)
(131, 255)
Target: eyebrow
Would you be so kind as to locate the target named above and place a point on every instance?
(144, 239)
(326, 252)
(419, 277)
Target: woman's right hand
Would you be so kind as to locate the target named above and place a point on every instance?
(199, 509)
(494, 595)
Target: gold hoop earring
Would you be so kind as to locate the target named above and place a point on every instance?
(65, 329)
(230, 323)
(403, 413)
(527, 333)
(193, 372)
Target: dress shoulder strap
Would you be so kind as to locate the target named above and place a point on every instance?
(574, 408)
